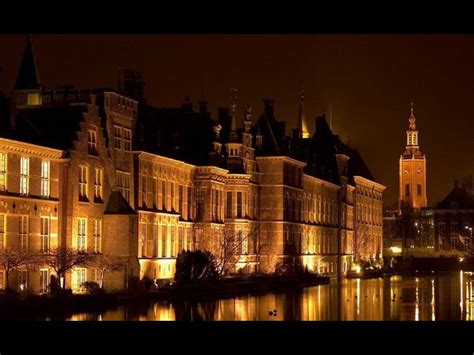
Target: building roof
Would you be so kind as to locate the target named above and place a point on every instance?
(117, 204)
(28, 77)
(50, 126)
(457, 198)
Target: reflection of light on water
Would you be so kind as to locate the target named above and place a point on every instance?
(417, 307)
(433, 300)
(461, 303)
(358, 297)
(162, 312)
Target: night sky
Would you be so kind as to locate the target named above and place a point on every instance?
(369, 80)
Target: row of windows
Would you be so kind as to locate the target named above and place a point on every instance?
(369, 193)
(82, 235)
(84, 184)
(24, 174)
(314, 210)
(369, 214)
(163, 195)
(162, 241)
(122, 138)
(419, 190)
(23, 233)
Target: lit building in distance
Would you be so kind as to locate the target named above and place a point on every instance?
(412, 171)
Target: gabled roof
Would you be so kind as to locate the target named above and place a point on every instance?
(117, 204)
(28, 77)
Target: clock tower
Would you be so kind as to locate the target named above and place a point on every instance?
(412, 170)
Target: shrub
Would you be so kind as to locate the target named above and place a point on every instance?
(195, 265)
(91, 287)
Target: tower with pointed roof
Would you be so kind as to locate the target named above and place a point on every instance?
(412, 172)
(302, 126)
(27, 90)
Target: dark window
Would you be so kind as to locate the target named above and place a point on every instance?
(181, 199)
(239, 204)
(407, 190)
(229, 205)
(418, 190)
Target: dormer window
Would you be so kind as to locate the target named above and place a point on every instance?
(34, 99)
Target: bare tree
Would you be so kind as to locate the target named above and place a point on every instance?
(229, 250)
(62, 260)
(108, 263)
(13, 259)
(361, 242)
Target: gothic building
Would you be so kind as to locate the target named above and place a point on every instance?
(102, 171)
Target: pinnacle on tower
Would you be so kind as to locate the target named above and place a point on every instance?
(28, 77)
(412, 119)
(233, 126)
(302, 126)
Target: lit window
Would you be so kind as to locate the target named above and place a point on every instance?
(2, 231)
(123, 184)
(82, 234)
(80, 276)
(83, 172)
(127, 139)
(45, 239)
(3, 171)
(117, 137)
(97, 234)
(22, 280)
(23, 232)
(45, 174)
(92, 142)
(34, 99)
(98, 183)
(24, 175)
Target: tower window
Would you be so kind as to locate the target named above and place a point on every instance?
(418, 190)
(407, 190)
(34, 99)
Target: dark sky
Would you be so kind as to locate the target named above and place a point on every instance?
(369, 80)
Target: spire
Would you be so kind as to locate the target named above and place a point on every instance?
(28, 77)
(233, 126)
(302, 126)
(412, 119)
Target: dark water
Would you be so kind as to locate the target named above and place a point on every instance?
(442, 297)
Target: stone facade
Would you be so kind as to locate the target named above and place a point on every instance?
(112, 194)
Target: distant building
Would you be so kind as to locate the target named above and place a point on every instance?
(412, 170)
(453, 219)
(103, 172)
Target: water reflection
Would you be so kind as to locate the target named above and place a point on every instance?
(444, 297)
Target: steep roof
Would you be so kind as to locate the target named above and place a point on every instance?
(117, 204)
(50, 126)
(28, 77)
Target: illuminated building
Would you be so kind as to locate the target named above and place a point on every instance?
(412, 172)
(142, 183)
